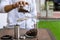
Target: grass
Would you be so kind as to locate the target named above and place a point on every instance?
(53, 26)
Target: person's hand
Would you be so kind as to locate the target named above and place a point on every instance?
(21, 3)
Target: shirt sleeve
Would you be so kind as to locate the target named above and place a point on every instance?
(33, 11)
(3, 4)
(33, 8)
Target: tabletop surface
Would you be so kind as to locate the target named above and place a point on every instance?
(42, 34)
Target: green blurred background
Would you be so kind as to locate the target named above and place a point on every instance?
(53, 26)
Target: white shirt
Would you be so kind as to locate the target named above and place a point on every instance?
(14, 15)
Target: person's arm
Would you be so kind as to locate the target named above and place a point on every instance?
(8, 8)
(5, 5)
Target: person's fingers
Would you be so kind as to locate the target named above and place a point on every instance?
(23, 3)
(20, 3)
(26, 3)
(16, 4)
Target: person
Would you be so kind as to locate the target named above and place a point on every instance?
(12, 8)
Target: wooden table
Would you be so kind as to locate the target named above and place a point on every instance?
(42, 34)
